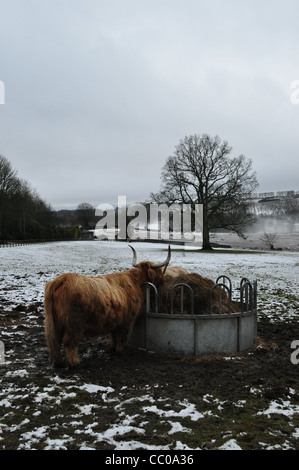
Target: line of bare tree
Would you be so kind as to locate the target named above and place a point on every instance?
(24, 214)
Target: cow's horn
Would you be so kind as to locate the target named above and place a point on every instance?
(134, 262)
(166, 263)
(155, 266)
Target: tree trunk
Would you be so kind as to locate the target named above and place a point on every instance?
(206, 231)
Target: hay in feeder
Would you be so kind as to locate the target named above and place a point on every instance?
(175, 271)
(201, 287)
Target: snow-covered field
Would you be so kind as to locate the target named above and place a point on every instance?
(24, 271)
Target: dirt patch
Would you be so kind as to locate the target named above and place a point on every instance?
(148, 394)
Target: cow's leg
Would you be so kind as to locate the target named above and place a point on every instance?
(71, 354)
(73, 334)
(55, 352)
(119, 338)
(58, 361)
(71, 340)
(71, 350)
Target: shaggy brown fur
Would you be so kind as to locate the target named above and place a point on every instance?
(175, 271)
(201, 287)
(78, 306)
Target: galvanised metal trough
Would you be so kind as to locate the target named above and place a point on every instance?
(196, 334)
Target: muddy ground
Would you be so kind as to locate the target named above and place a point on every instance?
(232, 392)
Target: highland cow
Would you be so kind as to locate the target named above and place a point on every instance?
(78, 306)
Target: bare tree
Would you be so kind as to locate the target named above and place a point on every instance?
(23, 214)
(85, 214)
(9, 184)
(287, 208)
(8, 177)
(201, 171)
(269, 239)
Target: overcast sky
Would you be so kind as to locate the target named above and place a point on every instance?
(99, 92)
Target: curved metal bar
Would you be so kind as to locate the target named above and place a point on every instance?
(249, 296)
(255, 294)
(243, 280)
(148, 296)
(225, 278)
(220, 297)
(182, 285)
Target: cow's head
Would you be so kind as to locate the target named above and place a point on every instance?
(153, 271)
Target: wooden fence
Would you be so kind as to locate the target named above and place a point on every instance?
(10, 243)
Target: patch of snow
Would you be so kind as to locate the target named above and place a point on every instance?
(188, 410)
(280, 407)
(86, 409)
(177, 427)
(230, 445)
(57, 444)
(91, 388)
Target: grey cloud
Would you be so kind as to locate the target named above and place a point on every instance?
(99, 93)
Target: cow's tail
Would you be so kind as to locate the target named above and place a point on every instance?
(52, 327)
